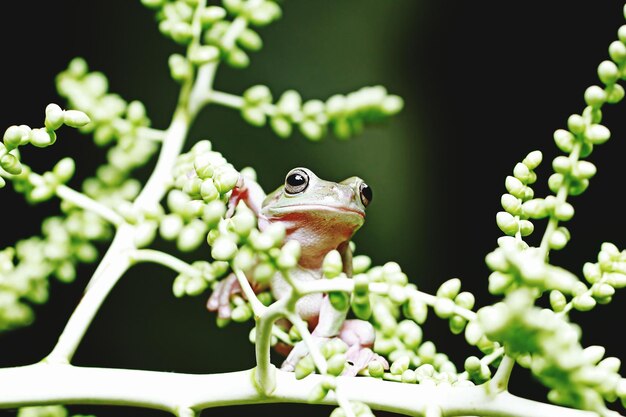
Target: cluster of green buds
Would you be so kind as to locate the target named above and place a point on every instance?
(549, 345)
(113, 122)
(603, 276)
(38, 188)
(207, 33)
(345, 115)
(24, 270)
(515, 267)
(513, 221)
(203, 182)
(334, 352)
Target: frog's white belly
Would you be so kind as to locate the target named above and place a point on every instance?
(307, 307)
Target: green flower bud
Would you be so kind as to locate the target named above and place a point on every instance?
(615, 93)
(212, 14)
(585, 169)
(332, 265)
(427, 352)
(311, 130)
(417, 309)
(558, 240)
(290, 103)
(195, 286)
(42, 137)
(336, 364)
(375, 369)
(526, 228)
(54, 116)
(145, 233)
(304, 367)
(617, 51)
(11, 164)
(223, 249)
(564, 140)
(583, 302)
(555, 182)
(180, 67)
(281, 126)
(511, 204)
(213, 212)
(225, 179)
(361, 263)
(521, 172)
(507, 223)
(444, 308)
(263, 272)
(64, 170)
(457, 324)
(191, 236)
(339, 300)
(400, 365)
(243, 222)
(409, 377)
(13, 136)
(289, 255)
(410, 333)
(514, 186)
(465, 300)
(181, 32)
(564, 211)
(499, 282)
(597, 134)
(237, 58)
(602, 290)
(391, 105)
(75, 118)
(2, 182)
(608, 72)
(576, 124)
(595, 96)
(241, 313)
(250, 40)
(562, 164)
(179, 285)
(450, 288)
(557, 300)
(203, 54)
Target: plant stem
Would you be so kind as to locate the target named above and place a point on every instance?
(64, 384)
(500, 380)
(347, 285)
(265, 372)
(170, 261)
(88, 204)
(257, 306)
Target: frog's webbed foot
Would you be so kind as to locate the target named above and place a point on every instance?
(359, 335)
(220, 298)
(299, 351)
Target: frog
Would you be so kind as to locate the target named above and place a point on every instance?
(321, 216)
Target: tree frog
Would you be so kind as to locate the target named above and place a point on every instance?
(322, 216)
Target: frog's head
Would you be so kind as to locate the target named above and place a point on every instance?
(328, 207)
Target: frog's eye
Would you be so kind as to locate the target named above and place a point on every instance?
(296, 181)
(366, 194)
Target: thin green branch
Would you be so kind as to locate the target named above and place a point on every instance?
(81, 200)
(500, 380)
(257, 306)
(165, 259)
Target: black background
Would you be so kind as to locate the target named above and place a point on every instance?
(484, 84)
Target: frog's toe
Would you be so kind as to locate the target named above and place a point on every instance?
(220, 297)
(359, 358)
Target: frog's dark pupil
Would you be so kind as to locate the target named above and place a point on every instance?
(295, 180)
(366, 192)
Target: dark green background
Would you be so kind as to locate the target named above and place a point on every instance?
(484, 83)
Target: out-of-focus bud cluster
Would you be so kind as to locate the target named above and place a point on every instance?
(24, 269)
(114, 123)
(549, 345)
(208, 34)
(344, 115)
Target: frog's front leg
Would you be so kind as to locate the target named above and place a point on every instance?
(248, 191)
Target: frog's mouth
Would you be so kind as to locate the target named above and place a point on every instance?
(300, 208)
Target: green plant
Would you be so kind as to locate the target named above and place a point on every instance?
(541, 339)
